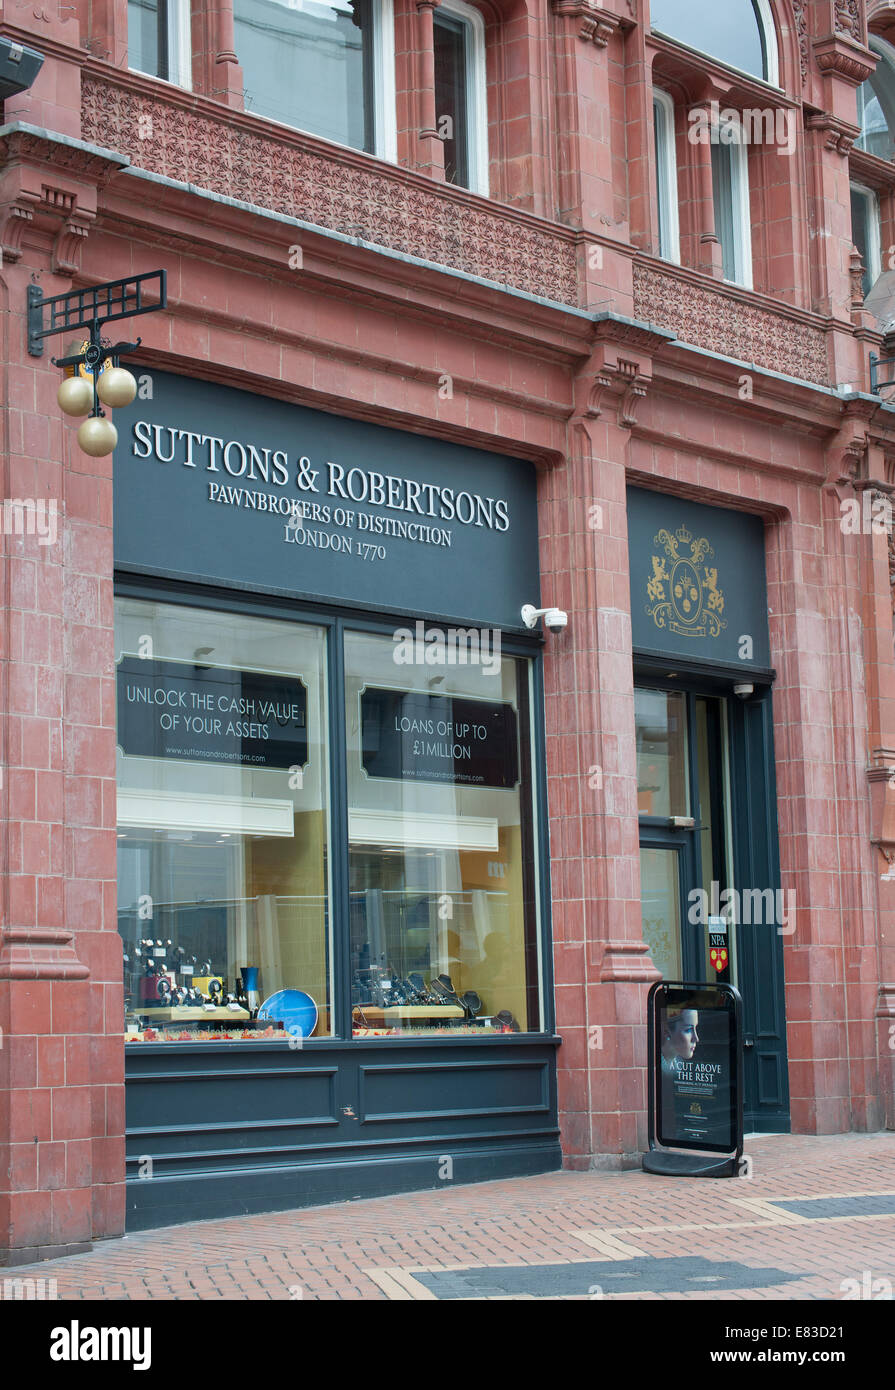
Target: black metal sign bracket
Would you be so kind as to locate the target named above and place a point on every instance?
(91, 308)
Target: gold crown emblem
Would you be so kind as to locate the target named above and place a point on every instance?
(683, 535)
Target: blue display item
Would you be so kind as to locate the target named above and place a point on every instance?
(293, 1008)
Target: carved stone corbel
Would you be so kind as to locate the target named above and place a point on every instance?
(837, 134)
(593, 408)
(637, 386)
(69, 244)
(14, 221)
(596, 24)
(847, 451)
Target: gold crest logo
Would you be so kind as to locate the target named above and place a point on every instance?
(684, 591)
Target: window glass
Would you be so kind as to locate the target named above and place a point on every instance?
(661, 197)
(876, 106)
(660, 719)
(865, 233)
(722, 193)
(310, 65)
(731, 31)
(451, 98)
(728, 195)
(222, 824)
(443, 933)
(147, 36)
(660, 909)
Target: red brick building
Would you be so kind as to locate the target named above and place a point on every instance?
(604, 271)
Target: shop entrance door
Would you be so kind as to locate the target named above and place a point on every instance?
(708, 847)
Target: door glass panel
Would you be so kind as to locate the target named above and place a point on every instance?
(661, 728)
(660, 906)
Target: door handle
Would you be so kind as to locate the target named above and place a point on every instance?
(748, 1042)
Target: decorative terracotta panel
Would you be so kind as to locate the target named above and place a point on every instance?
(341, 191)
(711, 317)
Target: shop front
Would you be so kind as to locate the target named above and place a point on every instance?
(331, 831)
(713, 909)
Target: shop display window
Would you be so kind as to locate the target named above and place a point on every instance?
(443, 936)
(223, 824)
(225, 895)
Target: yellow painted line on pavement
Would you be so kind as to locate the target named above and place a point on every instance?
(608, 1245)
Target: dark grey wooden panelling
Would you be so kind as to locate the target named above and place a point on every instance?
(233, 1129)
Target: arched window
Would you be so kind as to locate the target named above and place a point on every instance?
(739, 33)
(876, 104)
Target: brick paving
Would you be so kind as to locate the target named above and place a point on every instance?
(629, 1223)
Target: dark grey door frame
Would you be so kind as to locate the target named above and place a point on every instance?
(755, 864)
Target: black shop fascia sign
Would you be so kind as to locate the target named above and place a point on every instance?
(222, 486)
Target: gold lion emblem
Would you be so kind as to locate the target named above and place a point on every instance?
(683, 590)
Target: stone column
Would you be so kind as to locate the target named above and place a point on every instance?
(431, 149)
(61, 991)
(601, 962)
(707, 243)
(216, 69)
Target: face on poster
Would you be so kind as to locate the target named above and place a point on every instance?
(696, 1098)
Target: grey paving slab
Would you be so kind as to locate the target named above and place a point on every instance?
(819, 1207)
(680, 1273)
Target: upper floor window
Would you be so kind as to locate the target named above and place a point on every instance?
(327, 68)
(739, 33)
(460, 94)
(865, 232)
(730, 191)
(158, 39)
(876, 104)
(666, 177)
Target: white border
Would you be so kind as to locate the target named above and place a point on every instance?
(476, 92)
(666, 173)
(142, 808)
(385, 119)
(180, 55)
(772, 51)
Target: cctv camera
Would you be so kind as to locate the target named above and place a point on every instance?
(19, 67)
(743, 691)
(554, 618)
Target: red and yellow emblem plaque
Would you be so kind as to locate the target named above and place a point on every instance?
(718, 957)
